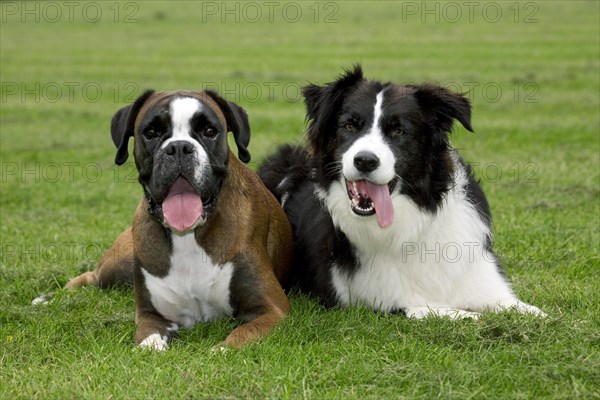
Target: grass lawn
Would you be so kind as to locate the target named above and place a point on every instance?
(531, 70)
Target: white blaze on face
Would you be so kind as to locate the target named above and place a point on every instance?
(372, 142)
(370, 188)
(183, 208)
(182, 110)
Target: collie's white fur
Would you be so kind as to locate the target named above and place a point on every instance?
(422, 263)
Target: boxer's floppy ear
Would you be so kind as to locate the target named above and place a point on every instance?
(122, 125)
(237, 122)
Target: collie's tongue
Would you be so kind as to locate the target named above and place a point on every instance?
(382, 201)
(182, 207)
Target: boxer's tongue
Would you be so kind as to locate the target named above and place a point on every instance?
(382, 201)
(182, 207)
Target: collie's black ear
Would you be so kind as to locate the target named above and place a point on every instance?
(122, 125)
(444, 105)
(237, 122)
(322, 106)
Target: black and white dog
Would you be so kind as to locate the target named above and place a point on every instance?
(384, 211)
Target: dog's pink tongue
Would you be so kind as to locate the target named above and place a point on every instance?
(380, 195)
(183, 206)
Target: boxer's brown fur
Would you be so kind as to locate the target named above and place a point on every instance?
(247, 228)
(114, 268)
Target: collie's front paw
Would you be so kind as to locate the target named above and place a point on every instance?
(525, 308)
(452, 313)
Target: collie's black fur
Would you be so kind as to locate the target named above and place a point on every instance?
(376, 189)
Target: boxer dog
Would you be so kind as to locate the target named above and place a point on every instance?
(208, 239)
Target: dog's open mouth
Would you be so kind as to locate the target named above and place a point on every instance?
(367, 198)
(183, 207)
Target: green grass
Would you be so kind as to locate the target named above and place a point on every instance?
(541, 134)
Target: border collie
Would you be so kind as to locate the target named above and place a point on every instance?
(385, 212)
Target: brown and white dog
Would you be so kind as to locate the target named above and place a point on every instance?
(208, 239)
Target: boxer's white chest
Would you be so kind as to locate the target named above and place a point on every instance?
(195, 290)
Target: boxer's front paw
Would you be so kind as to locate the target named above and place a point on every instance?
(156, 337)
(155, 342)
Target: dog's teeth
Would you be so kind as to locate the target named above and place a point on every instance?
(363, 209)
(355, 187)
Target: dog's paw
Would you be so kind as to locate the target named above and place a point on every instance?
(42, 299)
(155, 342)
(462, 314)
(525, 308)
(220, 348)
(452, 313)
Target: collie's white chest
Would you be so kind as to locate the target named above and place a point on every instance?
(195, 289)
(422, 260)
(393, 281)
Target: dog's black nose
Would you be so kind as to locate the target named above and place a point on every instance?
(179, 148)
(365, 161)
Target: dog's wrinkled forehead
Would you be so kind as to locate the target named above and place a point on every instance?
(180, 106)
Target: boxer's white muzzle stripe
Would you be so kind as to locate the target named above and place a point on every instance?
(182, 110)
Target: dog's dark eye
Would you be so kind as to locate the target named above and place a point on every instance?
(394, 127)
(350, 126)
(350, 123)
(396, 131)
(151, 133)
(210, 132)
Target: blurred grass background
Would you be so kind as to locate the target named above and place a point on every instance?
(531, 70)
